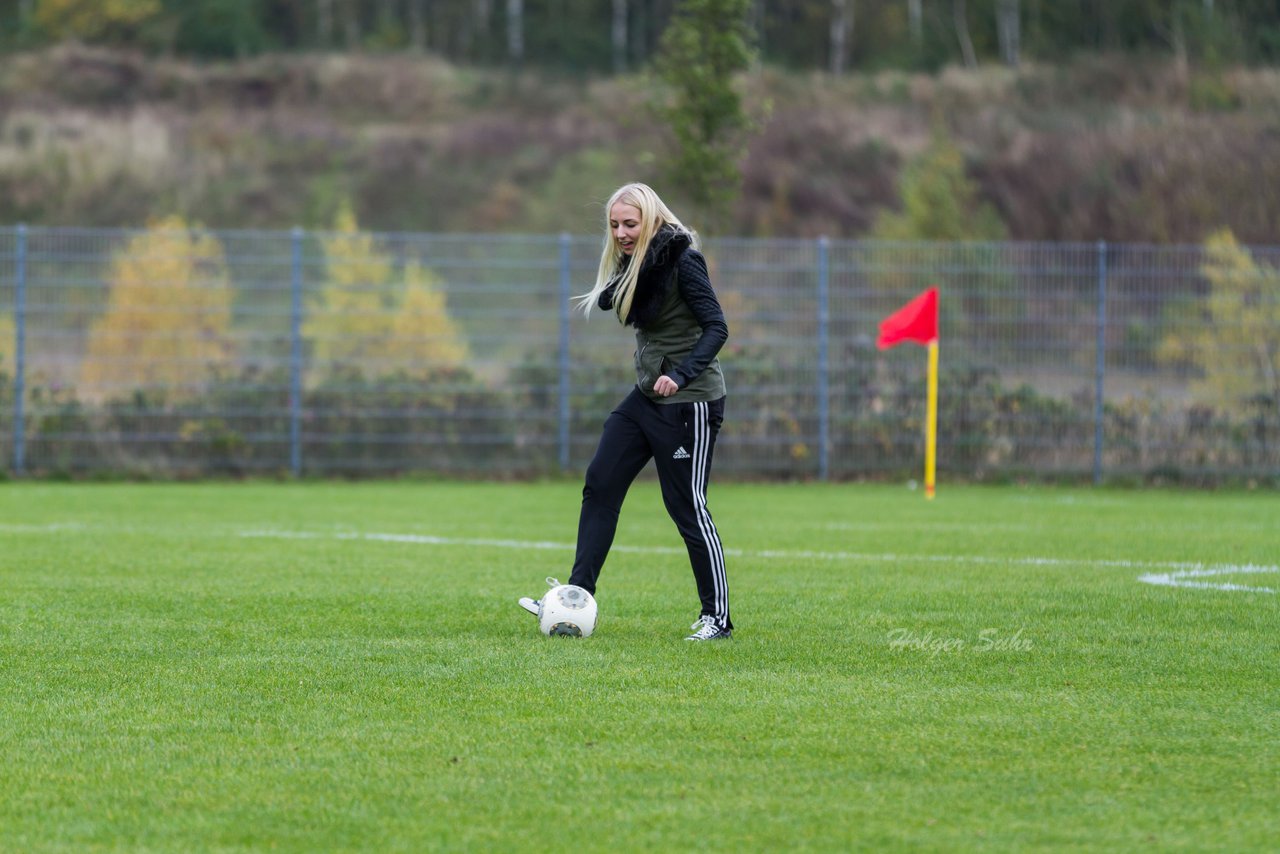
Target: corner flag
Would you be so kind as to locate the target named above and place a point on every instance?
(917, 321)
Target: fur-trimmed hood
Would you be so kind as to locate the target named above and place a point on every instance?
(660, 262)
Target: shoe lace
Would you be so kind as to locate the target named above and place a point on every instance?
(705, 627)
(553, 582)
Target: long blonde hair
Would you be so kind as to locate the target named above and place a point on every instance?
(654, 214)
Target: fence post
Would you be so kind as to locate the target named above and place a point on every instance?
(295, 355)
(1100, 372)
(824, 388)
(563, 363)
(19, 353)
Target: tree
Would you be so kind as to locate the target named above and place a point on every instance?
(221, 28)
(1234, 338)
(915, 19)
(168, 315)
(842, 17)
(351, 30)
(423, 337)
(1009, 30)
(372, 316)
(619, 33)
(350, 316)
(324, 23)
(961, 19)
(515, 32)
(940, 204)
(8, 345)
(417, 25)
(704, 46)
(96, 20)
(939, 201)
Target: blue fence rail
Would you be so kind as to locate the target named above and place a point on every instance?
(186, 353)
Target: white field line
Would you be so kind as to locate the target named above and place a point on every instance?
(51, 528)
(1176, 576)
(1179, 579)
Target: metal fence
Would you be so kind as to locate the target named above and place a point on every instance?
(186, 353)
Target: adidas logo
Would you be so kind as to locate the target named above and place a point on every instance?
(680, 454)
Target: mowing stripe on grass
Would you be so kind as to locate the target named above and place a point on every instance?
(1176, 574)
(1174, 578)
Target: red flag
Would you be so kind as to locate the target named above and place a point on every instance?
(916, 321)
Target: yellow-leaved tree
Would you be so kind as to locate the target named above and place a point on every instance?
(423, 335)
(350, 316)
(1233, 340)
(94, 20)
(8, 345)
(376, 318)
(168, 315)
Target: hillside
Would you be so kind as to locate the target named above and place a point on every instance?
(1107, 148)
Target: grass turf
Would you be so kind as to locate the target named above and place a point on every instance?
(241, 666)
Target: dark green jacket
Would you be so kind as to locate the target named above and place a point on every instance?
(679, 324)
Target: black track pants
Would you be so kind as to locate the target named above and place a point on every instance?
(680, 439)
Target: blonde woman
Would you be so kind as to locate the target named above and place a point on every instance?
(653, 278)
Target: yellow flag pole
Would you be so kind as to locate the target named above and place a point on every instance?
(931, 426)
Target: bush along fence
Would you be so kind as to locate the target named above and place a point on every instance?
(178, 352)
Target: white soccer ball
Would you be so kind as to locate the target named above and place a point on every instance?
(567, 610)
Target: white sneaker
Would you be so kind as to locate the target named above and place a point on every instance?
(705, 629)
(533, 606)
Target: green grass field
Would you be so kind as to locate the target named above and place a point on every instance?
(334, 666)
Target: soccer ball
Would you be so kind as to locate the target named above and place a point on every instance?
(567, 610)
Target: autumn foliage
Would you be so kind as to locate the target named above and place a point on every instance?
(1233, 342)
(168, 318)
(376, 315)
